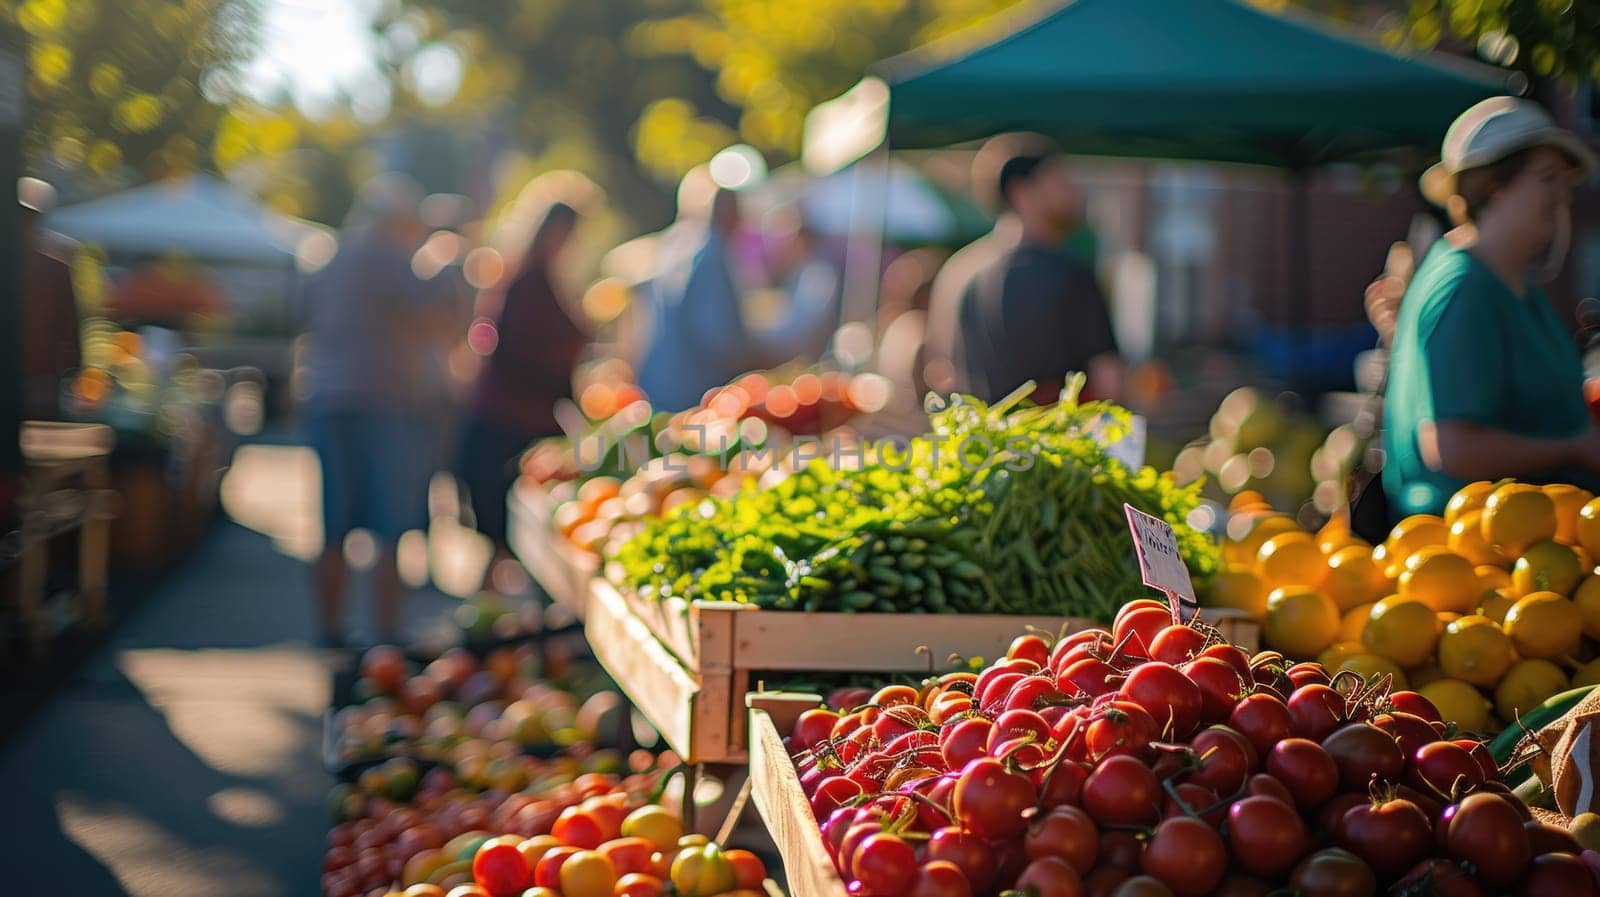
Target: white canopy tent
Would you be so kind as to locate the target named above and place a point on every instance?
(254, 251)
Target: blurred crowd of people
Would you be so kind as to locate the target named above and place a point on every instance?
(730, 291)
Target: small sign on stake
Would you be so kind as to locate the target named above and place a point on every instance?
(1160, 563)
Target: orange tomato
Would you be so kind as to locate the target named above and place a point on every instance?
(748, 870)
(629, 854)
(608, 814)
(635, 884)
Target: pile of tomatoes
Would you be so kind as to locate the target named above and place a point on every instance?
(1157, 760)
(596, 836)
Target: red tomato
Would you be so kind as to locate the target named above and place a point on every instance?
(748, 870)
(1442, 878)
(968, 852)
(1266, 835)
(628, 854)
(884, 864)
(1122, 791)
(1557, 875)
(1090, 676)
(1445, 769)
(1198, 800)
(1333, 873)
(1391, 836)
(813, 727)
(1220, 687)
(1263, 719)
(1225, 757)
(1144, 619)
(1263, 785)
(1029, 647)
(1486, 831)
(1480, 753)
(1065, 832)
(635, 884)
(989, 799)
(1316, 711)
(500, 869)
(1186, 855)
(1305, 769)
(1363, 752)
(1121, 850)
(1177, 644)
(1122, 727)
(1416, 705)
(1172, 699)
(579, 828)
(1050, 875)
(940, 878)
(548, 873)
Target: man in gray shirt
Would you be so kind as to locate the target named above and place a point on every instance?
(1032, 312)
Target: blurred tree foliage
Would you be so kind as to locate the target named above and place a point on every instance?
(566, 85)
(1548, 39)
(134, 85)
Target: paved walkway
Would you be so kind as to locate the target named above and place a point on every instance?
(182, 760)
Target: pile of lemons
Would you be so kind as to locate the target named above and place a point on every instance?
(1487, 610)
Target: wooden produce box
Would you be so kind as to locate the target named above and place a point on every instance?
(775, 788)
(688, 665)
(560, 568)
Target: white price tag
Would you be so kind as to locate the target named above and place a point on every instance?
(1159, 560)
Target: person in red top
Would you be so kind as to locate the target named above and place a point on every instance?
(51, 347)
(531, 351)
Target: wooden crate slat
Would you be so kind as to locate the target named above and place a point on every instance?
(651, 677)
(790, 640)
(775, 787)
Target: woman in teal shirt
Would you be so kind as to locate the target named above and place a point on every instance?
(1484, 380)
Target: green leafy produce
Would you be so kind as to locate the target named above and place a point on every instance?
(1002, 509)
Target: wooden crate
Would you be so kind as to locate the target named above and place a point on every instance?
(560, 569)
(775, 788)
(708, 652)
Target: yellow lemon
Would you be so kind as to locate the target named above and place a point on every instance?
(1547, 567)
(1588, 674)
(1470, 497)
(1412, 534)
(1353, 578)
(1459, 703)
(1569, 500)
(1300, 622)
(1526, 685)
(1291, 559)
(1401, 629)
(1588, 527)
(1248, 532)
(1495, 604)
(1338, 653)
(1544, 624)
(1516, 516)
(1587, 599)
(1475, 650)
(1354, 622)
(1441, 579)
(1239, 589)
(1466, 539)
(1493, 577)
(1420, 676)
(1371, 667)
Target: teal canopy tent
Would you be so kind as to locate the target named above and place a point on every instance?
(1205, 80)
(1214, 80)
